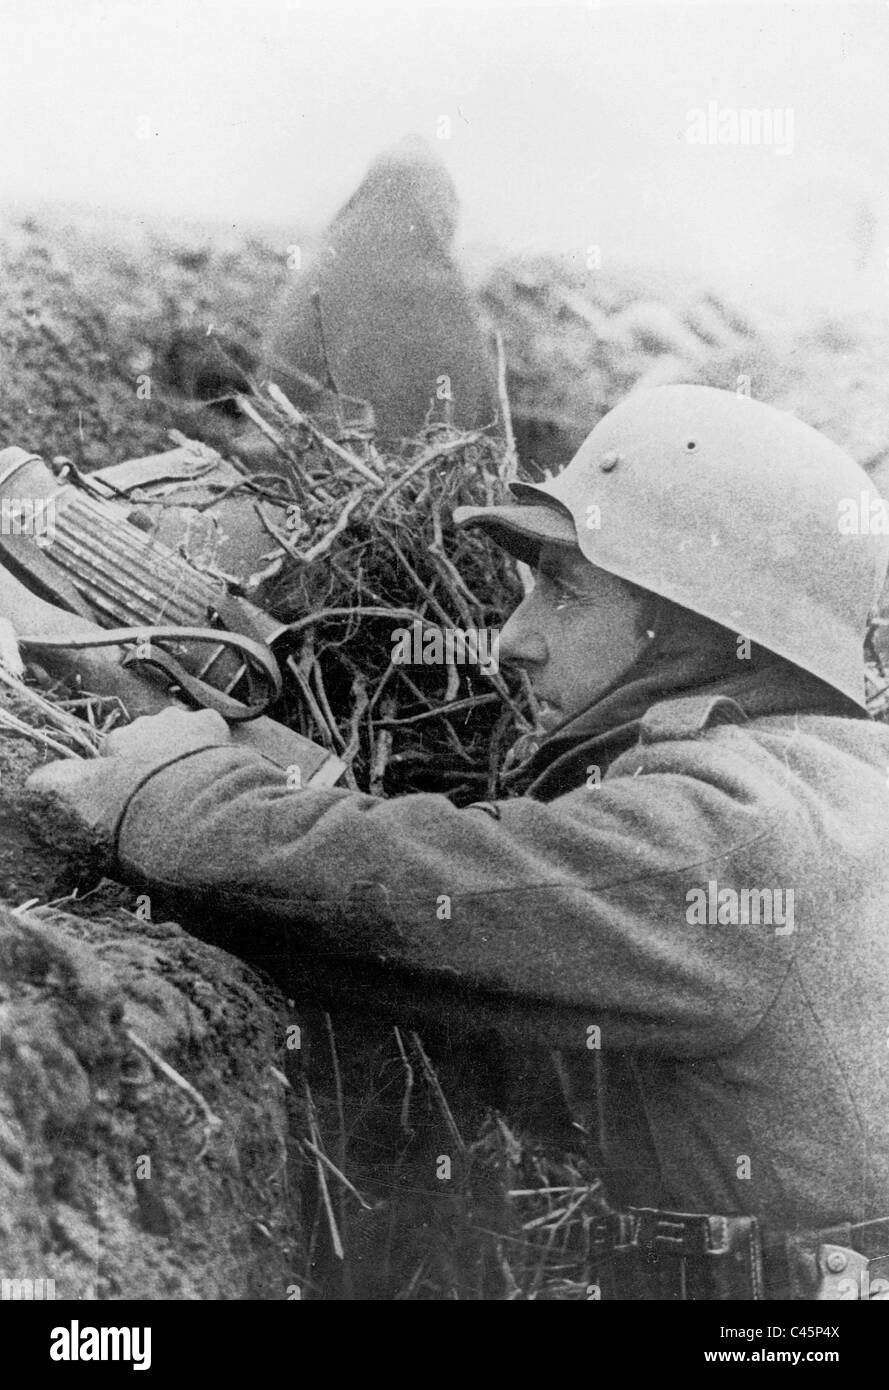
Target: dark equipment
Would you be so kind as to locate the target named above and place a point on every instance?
(123, 587)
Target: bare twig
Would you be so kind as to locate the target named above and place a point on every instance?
(356, 611)
(321, 547)
(432, 1077)
(318, 678)
(322, 1157)
(336, 1240)
(338, 1087)
(510, 465)
(360, 703)
(329, 445)
(429, 456)
(299, 672)
(408, 1083)
(211, 1122)
(18, 726)
(53, 713)
(277, 534)
(382, 749)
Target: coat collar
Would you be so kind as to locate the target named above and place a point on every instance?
(696, 665)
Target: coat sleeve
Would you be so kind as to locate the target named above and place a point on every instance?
(582, 902)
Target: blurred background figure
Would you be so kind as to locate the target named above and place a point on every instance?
(399, 326)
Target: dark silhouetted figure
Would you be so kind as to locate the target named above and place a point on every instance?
(399, 324)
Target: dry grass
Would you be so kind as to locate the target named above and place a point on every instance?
(403, 1205)
(370, 548)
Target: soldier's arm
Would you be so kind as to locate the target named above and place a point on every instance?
(581, 902)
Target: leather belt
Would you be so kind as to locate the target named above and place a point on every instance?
(652, 1253)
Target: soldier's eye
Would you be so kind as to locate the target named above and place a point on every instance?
(552, 577)
(561, 591)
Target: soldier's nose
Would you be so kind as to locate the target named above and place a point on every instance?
(521, 640)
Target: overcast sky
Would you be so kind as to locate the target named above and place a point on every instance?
(569, 124)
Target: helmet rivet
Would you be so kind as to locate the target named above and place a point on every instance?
(691, 446)
(609, 461)
(836, 1261)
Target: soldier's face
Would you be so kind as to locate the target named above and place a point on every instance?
(575, 633)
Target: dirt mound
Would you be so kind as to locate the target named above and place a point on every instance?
(98, 329)
(147, 1132)
(144, 1145)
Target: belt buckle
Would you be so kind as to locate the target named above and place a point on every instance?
(669, 1232)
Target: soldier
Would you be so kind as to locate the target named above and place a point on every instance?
(399, 326)
(695, 879)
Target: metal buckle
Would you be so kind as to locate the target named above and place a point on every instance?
(669, 1232)
(847, 1275)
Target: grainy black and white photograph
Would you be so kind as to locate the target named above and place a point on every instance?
(444, 665)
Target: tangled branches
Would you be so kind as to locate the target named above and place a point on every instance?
(370, 551)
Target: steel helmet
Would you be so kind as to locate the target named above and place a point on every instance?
(727, 507)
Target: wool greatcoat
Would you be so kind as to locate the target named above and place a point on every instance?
(747, 1061)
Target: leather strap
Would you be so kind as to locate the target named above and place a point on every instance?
(257, 657)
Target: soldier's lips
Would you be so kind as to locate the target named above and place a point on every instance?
(548, 714)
